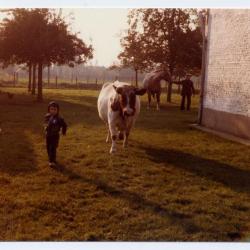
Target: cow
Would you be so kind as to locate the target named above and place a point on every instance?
(118, 106)
(152, 82)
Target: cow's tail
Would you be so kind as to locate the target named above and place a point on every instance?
(153, 94)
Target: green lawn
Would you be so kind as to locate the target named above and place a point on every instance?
(173, 183)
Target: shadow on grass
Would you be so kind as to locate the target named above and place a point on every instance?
(24, 108)
(16, 150)
(82, 113)
(169, 118)
(83, 110)
(136, 201)
(230, 176)
(16, 153)
(22, 113)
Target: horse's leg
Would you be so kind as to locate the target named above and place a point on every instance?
(158, 94)
(149, 99)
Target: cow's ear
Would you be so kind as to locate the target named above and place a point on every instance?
(118, 89)
(141, 91)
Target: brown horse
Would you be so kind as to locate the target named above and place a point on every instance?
(152, 82)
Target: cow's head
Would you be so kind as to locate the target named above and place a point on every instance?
(127, 98)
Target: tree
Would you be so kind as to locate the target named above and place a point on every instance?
(171, 39)
(133, 54)
(40, 37)
(30, 77)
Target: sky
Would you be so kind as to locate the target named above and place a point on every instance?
(128, 3)
(101, 28)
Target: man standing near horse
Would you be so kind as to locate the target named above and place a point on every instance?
(187, 91)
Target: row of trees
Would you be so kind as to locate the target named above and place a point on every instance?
(168, 38)
(38, 38)
(84, 73)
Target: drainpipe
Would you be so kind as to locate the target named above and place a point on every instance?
(203, 23)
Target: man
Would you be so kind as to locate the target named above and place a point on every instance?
(187, 91)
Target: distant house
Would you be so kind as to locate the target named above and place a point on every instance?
(226, 101)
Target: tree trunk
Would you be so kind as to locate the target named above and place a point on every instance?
(14, 79)
(179, 86)
(30, 77)
(17, 78)
(48, 75)
(136, 77)
(33, 92)
(40, 83)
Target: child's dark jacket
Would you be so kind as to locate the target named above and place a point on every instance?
(54, 124)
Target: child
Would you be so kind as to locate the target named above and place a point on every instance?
(54, 123)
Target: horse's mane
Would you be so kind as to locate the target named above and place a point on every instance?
(157, 70)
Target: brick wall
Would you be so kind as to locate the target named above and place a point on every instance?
(227, 85)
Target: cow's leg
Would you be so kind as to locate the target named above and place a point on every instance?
(130, 124)
(121, 135)
(108, 136)
(158, 101)
(113, 131)
(125, 141)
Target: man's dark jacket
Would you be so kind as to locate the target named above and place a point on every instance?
(187, 87)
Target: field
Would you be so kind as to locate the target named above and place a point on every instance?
(173, 183)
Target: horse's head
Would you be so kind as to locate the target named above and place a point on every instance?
(162, 75)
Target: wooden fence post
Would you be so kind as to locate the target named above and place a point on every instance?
(48, 75)
(14, 79)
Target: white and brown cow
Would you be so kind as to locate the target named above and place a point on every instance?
(118, 106)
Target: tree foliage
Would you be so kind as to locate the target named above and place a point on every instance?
(133, 54)
(40, 37)
(169, 38)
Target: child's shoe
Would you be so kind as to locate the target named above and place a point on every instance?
(52, 164)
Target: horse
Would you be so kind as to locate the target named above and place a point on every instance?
(152, 82)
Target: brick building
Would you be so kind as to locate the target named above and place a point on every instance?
(226, 101)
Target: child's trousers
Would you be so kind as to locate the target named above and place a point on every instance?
(52, 144)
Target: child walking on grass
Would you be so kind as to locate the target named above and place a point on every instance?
(54, 124)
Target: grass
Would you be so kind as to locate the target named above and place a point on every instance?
(172, 184)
